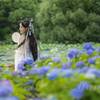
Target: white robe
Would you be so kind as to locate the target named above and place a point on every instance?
(22, 52)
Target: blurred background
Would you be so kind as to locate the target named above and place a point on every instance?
(55, 21)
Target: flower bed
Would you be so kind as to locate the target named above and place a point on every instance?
(58, 75)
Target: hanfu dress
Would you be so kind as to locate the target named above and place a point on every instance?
(23, 52)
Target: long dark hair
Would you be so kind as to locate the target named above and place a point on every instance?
(32, 40)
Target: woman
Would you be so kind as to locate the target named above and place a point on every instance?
(27, 44)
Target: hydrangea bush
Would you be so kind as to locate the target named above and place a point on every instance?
(72, 74)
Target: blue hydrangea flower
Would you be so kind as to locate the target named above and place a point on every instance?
(97, 73)
(56, 59)
(88, 46)
(82, 70)
(5, 88)
(78, 92)
(22, 73)
(9, 98)
(29, 61)
(43, 70)
(80, 64)
(91, 70)
(21, 66)
(97, 56)
(91, 60)
(94, 71)
(90, 51)
(81, 51)
(14, 73)
(66, 65)
(34, 71)
(83, 86)
(73, 53)
(53, 74)
(67, 73)
(40, 71)
(69, 64)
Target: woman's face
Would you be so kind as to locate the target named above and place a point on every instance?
(22, 29)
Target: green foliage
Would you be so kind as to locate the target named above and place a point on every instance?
(12, 11)
(60, 87)
(66, 21)
(69, 20)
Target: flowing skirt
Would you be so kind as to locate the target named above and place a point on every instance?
(20, 56)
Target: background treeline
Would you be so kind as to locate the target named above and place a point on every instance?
(66, 21)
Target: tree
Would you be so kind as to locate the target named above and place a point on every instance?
(69, 20)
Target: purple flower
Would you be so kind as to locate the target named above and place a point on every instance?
(14, 73)
(66, 65)
(40, 71)
(56, 59)
(91, 60)
(67, 73)
(22, 73)
(9, 98)
(82, 70)
(88, 46)
(78, 92)
(21, 66)
(97, 56)
(83, 86)
(43, 70)
(34, 71)
(80, 64)
(53, 74)
(91, 70)
(94, 72)
(28, 61)
(5, 88)
(90, 51)
(73, 53)
(69, 64)
(97, 73)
